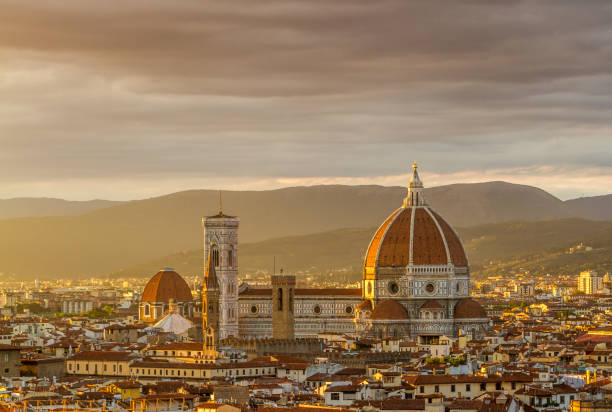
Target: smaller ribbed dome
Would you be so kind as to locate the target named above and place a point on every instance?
(431, 304)
(389, 310)
(166, 285)
(469, 309)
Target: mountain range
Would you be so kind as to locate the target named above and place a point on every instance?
(45, 206)
(118, 236)
(495, 248)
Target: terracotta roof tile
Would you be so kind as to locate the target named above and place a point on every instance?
(370, 260)
(390, 246)
(455, 247)
(304, 292)
(427, 245)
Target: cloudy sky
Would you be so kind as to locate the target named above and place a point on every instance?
(122, 100)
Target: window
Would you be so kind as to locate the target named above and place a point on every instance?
(335, 396)
(562, 399)
(452, 388)
(498, 386)
(230, 258)
(280, 299)
(468, 388)
(513, 385)
(147, 310)
(215, 255)
(483, 386)
(436, 389)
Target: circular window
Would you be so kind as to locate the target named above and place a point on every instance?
(348, 309)
(430, 288)
(253, 309)
(317, 310)
(393, 288)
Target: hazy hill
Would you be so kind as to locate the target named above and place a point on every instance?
(108, 239)
(44, 206)
(491, 248)
(598, 207)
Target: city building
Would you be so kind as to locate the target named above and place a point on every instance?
(590, 282)
(10, 361)
(416, 283)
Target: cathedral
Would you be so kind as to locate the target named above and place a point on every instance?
(416, 282)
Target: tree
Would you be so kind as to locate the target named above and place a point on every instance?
(33, 307)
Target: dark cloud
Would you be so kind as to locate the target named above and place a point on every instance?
(254, 90)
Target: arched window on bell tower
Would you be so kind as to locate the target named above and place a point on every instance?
(215, 255)
(230, 257)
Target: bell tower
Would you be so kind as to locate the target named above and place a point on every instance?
(221, 245)
(283, 293)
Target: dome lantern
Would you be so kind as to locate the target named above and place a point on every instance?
(415, 189)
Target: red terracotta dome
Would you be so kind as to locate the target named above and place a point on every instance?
(389, 310)
(431, 304)
(414, 234)
(433, 240)
(469, 309)
(166, 285)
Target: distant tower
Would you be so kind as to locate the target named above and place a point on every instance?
(283, 292)
(221, 244)
(210, 309)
